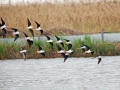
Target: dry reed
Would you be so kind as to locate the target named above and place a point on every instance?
(84, 17)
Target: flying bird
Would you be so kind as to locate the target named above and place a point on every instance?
(16, 33)
(38, 27)
(49, 41)
(30, 27)
(42, 52)
(88, 50)
(59, 40)
(29, 40)
(23, 51)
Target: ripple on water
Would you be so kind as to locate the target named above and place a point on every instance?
(53, 74)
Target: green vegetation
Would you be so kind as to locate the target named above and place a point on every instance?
(12, 50)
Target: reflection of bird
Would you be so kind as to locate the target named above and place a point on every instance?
(23, 51)
(16, 33)
(59, 40)
(29, 40)
(38, 27)
(30, 27)
(42, 52)
(49, 41)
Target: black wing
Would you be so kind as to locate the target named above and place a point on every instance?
(83, 50)
(47, 37)
(59, 48)
(67, 40)
(39, 47)
(99, 60)
(29, 23)
(62, 44)
(4, 32)
(57, 38)
(30, 43)
(43, 54)
(16, 36)
(3, 22)
(41, 31)
(25, 34)
(51, 45)
(31, 31)
(69, 46)
(14, 29)
(88, 48)
(38, 25)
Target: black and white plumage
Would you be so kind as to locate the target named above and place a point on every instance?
(60, 50)
(3, 27)
(2, 24)
(69, 51)
(59, 40)
(42, 52)
(29, 40)
(30, 27)
(23, 51)
(38, 27)
(49, 41)
(16, 33)
(88, 50)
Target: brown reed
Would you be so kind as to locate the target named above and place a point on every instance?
(84, 17)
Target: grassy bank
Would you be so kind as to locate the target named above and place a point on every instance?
(82, 17)
(12, 50)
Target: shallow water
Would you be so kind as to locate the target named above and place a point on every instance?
(53, 74)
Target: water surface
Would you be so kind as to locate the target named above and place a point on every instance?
(53, 74)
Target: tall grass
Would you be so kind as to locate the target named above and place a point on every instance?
(12, 50)
(83, 17)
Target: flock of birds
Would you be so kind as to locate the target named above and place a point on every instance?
(30, 40)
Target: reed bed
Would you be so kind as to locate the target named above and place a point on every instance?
(81, 17)
(12, 50)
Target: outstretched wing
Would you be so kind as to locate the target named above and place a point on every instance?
(47, 37)
(29, 23)
(57, 38)
(14, 29)
(38, 25)
(59, 48)
(3, 22)
(25, 34)
(39, 47)
(88, 48)
(51, 43)
(16, 36)
(31, 31)
(69, 46)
